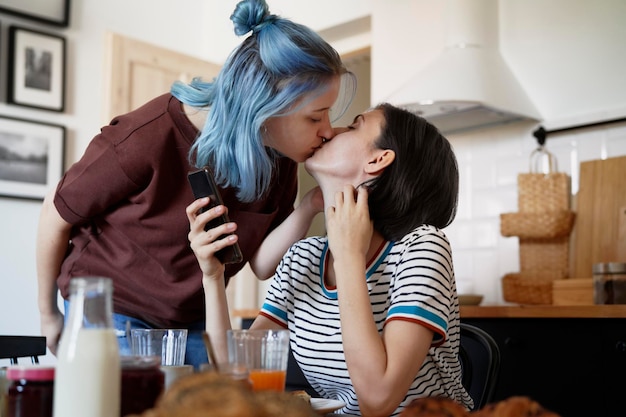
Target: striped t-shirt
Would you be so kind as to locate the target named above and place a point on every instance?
(412, 279)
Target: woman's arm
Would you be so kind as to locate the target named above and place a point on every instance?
(381, 368)
(204, 245)
(294, 228)
(53, 235)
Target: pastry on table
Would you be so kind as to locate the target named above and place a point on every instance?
(517, 406)
(275, 404)
(434, 407)
(209, 394)
(302, 394)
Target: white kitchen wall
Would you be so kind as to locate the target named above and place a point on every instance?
(570, 57)
(568, 53)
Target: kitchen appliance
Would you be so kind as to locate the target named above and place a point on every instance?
(470, 85)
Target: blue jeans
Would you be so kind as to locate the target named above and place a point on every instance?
(195, 353)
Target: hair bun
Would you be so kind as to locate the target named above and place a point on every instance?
(251, 15)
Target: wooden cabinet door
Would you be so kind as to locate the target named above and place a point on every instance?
(138, 71)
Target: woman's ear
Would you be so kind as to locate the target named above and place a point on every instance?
(381, 160)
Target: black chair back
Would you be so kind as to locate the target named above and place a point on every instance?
(14, 347)
(480, 360)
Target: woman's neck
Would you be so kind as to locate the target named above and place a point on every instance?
(329, 200)
(375, 242)
(331, 186)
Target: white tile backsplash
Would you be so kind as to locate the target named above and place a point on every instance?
(483, 174)
(616, 144)
(507, 169)
(484, 266)
(489, 162)
(487, 203)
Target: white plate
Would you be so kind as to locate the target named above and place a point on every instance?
(323, 406)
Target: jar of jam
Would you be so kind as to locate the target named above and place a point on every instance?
(4, 387)
(142, 383)
(31, 389)
(609, 283)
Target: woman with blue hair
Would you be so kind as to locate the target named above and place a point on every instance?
(119, 212)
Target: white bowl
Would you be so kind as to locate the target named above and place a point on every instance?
(470, 299)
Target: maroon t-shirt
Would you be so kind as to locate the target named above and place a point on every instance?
(126, 198)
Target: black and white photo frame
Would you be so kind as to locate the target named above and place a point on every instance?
(52, 12)
(32, 156)
(36, 74)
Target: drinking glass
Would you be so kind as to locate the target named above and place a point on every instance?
(168, 344)
(264, 353)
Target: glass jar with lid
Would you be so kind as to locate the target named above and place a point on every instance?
(30, 392)
(609, 283)
(142, 383)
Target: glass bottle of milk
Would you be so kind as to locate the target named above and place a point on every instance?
(88, 371)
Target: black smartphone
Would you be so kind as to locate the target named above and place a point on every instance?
(203, 185)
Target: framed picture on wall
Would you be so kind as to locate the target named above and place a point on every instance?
(36, 75)
(52, 12)
(31, 157)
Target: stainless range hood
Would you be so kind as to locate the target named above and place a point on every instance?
(469, 86)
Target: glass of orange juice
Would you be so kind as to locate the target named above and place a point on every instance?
(264, 353)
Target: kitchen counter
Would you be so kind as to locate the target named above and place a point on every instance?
(516, 311)
(543, 311)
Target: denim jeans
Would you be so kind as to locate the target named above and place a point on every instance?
(195, 353)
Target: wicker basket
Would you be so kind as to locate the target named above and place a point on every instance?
(549, 255)
(537, 225)
(543, 225)
(539, 193)
(528, 287)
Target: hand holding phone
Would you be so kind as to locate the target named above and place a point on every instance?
(203, 185)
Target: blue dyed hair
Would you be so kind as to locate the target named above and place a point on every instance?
(278, 64)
